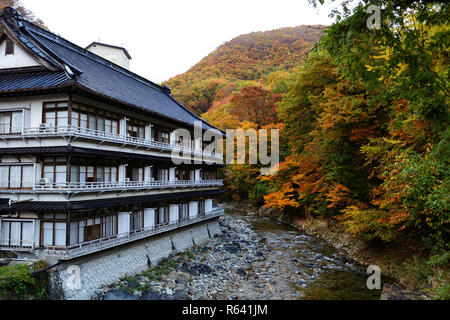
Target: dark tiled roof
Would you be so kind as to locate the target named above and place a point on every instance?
(93, 73)
(95, 152)
(33, 80)
(35, 150)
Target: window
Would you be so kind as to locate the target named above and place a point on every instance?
(94, 121)
(163, 174)
(201, 208)
(11, 122)
(9, 49)
(90, 174)
(16, 176)
(163, 136)
(136, 220)
(54, 234)
(56, 114)
(56, 173)
(162, 215)
(17, 234)
(183, 174)
(111, 126)
(110, 174)
(109, 226)
(137, 174)
(208, 175)
(136, 130)
(184, 211)
(91, 229)
(83, 174)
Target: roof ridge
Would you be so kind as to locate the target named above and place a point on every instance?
(111, 46)
(90, 55)
(118, 84)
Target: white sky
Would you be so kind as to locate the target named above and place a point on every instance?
(166, 38)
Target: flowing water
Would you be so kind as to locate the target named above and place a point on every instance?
(312, 268)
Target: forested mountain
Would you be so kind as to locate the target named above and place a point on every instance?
(247, 59)
(363, 120)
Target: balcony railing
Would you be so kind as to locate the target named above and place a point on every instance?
(118, 239)
(102, 136)
(17, 245)
(69, 187)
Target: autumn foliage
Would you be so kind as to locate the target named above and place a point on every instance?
(363, 116)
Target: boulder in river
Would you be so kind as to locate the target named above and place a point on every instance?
(116, 294)
(394, 292)
(196, 268)
(232, 248)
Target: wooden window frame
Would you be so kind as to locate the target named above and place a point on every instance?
(22, 221)
(96, 113)
(21, 165)
(55, 164)
(11, 121)
(9, 47)
(55, 109)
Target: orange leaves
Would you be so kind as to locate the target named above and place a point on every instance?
(338, 196)
(282, 198)
(256, 104)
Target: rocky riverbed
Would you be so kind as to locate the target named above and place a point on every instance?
(254, 258)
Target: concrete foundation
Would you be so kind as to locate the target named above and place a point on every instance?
(79, 279)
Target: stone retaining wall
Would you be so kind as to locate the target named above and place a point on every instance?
(200, 234)
(79, 279)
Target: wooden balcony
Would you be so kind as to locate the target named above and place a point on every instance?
(102, 137)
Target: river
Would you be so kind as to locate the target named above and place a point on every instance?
(323, 272)
(255, 258)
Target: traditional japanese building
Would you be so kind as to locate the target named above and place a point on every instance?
(87, 150)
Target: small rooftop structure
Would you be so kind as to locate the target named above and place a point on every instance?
(115, 54)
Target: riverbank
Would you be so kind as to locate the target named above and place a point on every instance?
(395, 261)
(254, 258)
(221, 269)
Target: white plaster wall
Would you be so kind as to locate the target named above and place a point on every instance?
(114, 55)
(208, 205)
(193, 209)
(172, 174)
(37, 232)
(123, 222)
(198, 176)
(122, 173)
(148, 132)
(148, 173)
(31, 105)
(173, 210)
(149, 218)
(123, 127)
(19, 59)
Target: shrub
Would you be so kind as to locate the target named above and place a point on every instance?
(17, 282)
